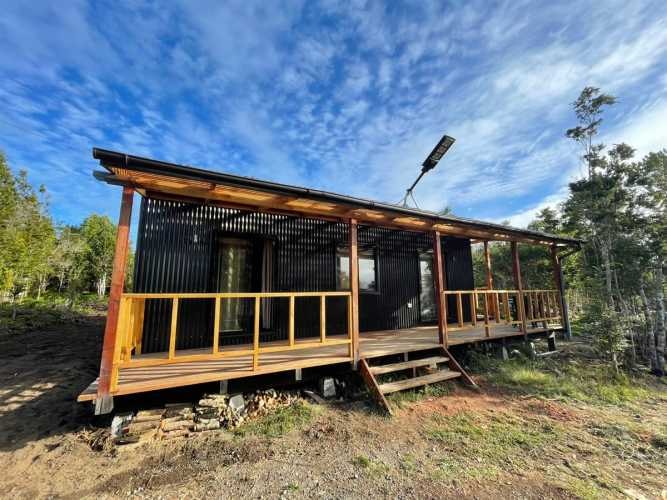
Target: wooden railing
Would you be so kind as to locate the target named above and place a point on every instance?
(127, 352)
(493, 308)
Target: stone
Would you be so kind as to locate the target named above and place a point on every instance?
(328, 387)
(237, 403)
(119, 424)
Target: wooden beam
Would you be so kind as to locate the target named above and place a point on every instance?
(439, 284)
(354, 288)
(489, 275)
(104, 401)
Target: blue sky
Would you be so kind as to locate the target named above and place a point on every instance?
(347, 97)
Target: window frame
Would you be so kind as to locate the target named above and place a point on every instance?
(369, 251)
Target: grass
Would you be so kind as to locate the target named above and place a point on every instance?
(565, 380)
(50, 310)
(280, 422)
(403, 398)
(370, 466)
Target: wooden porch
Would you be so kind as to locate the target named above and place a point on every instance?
(163, 375)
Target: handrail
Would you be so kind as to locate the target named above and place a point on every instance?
(503, 307)
(131, 318)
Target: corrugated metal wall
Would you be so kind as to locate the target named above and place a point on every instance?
(177, 251)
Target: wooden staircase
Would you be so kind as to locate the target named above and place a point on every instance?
(439, 368)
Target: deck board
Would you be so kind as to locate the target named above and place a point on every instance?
(372, 344)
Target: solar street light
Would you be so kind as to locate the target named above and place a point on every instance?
(429, 163)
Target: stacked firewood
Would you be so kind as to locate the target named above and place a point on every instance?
(177, 421)
(141, 427)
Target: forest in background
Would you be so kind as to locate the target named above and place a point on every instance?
(44, 263)
(615, 284)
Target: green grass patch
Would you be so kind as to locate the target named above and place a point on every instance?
(370, 466)
(481, 444)
(280, 422)
(564, 379)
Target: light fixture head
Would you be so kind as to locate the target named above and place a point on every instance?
(438, 152)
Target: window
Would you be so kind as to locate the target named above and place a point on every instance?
(367, 270)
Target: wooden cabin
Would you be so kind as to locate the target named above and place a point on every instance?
(236, 277)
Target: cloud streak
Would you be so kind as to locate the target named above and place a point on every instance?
(344, 98)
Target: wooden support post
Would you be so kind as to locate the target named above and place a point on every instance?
(354, 289)
(439, 282)
(104, 400)
(216, 326)
(459, 309)
(255, 336)
(489, 275)
(518, 283)
(560, 286)
(487, 330)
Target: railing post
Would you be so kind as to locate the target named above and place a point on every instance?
(439, 282)
(459, 309)
(216, 326)
(104, 399)
(323, 318)
(255, 336)
(174, 328)
(487, 331)
(290, 327)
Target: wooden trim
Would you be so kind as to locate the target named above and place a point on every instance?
(115, 292)
(233, 295)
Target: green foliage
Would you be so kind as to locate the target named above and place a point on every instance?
(99, 235)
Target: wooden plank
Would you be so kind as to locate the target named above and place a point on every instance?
(255, 336)
(486, 314)
(409, 383)
(173, 329)
(139, 332)
(372, 385)
(216, 326)
(508, 315)
(456, 367)
(405, 365)
(234, 295)
(117, 282)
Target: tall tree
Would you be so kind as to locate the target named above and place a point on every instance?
(98, 233)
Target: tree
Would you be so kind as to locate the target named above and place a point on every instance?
(98, 234)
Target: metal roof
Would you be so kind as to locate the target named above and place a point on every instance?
(113, 159)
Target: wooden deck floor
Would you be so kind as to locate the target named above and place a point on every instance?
(372, 344)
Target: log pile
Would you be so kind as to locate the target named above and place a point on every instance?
(177, 421)
(212, 412)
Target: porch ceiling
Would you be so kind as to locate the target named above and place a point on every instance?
(161, 179)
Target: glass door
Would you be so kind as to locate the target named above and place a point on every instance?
(427, 303)
(234, 275)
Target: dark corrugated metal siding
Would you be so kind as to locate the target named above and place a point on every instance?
(177, 251)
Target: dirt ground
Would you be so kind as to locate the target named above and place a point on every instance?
(487, 444)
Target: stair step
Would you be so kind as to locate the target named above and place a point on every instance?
(409, 383)
(403, 365)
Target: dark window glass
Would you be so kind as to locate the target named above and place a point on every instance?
(367, 270)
